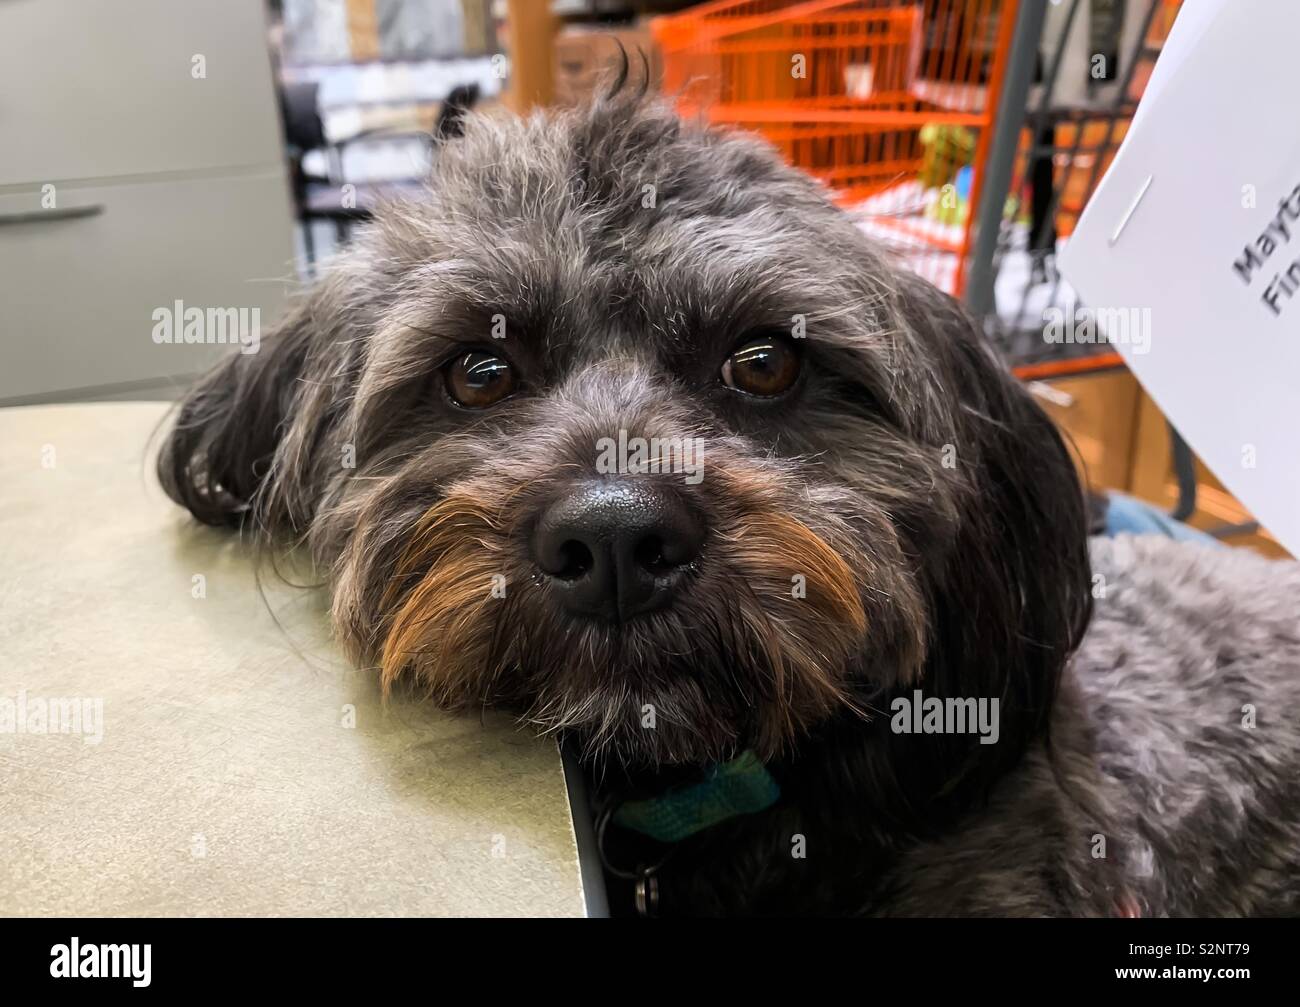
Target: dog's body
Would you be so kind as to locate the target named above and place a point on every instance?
(1170, 786)
(881, 510)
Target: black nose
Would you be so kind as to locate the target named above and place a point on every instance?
(617, 548)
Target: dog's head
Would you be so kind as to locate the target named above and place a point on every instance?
(628, 429)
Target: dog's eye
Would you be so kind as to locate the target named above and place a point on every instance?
(478, 379)
(765, 366)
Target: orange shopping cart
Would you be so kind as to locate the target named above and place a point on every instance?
(889, 102)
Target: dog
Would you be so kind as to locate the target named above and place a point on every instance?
(626, 428)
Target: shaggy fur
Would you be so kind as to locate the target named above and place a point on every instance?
(1168, 785)
(927, 503)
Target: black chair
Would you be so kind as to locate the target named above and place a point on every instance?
(318, 197)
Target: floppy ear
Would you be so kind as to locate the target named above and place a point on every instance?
(1013, 597)
(216, 459)
(451, 117)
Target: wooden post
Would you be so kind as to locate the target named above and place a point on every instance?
(531, 37)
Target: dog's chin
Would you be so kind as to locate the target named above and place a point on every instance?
(682, 687)
(710, 676)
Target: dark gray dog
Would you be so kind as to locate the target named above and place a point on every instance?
(626, 428)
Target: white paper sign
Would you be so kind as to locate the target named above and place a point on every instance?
(1198, 220)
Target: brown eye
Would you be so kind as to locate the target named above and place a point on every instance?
(765, 366)
(478, 379)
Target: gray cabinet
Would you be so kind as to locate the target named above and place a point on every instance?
(140, 166)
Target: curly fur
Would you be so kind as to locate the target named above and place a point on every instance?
(930, 505)
(1175, 740)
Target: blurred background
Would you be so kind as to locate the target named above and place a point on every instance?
(159, 155)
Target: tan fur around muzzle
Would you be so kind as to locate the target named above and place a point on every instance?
(443, 626)
(443, 629)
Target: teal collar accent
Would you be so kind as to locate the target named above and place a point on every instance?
(739, 787)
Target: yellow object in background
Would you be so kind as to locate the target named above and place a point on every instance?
(947, 148)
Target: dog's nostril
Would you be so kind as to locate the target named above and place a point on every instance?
(575, 560)
(650, 554)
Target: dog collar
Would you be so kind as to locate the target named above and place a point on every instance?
(739, 787)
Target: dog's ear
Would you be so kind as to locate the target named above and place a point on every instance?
(218, 455)
(451, 117)
(1014, 594)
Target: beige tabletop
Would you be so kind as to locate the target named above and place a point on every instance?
(221, 757)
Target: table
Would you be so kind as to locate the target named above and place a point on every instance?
(229, 761)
